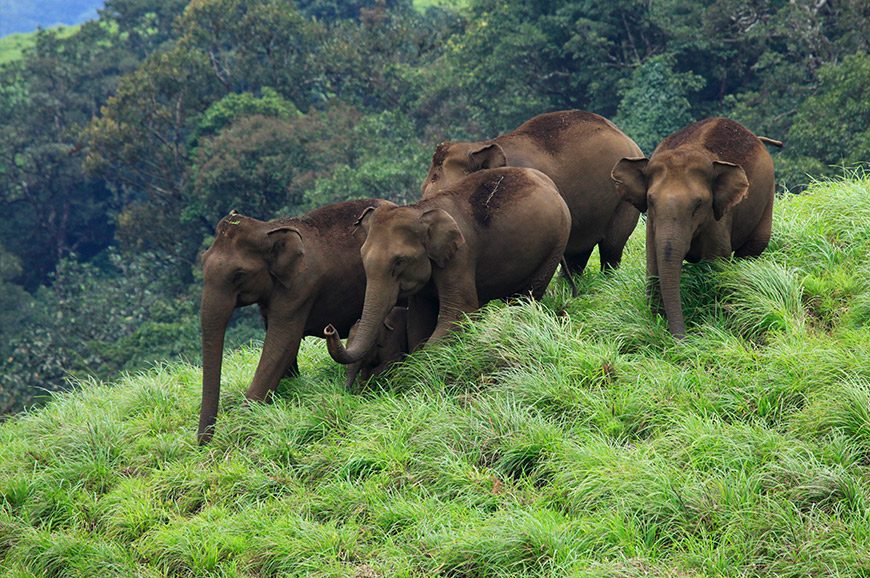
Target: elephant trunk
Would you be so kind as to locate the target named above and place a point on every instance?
(214, 318)
(670, 252)
(352, 372)
(375, 310)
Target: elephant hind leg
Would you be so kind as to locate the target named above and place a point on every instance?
(541, 277)
(577, 262)
(616, 234)
(759, 238)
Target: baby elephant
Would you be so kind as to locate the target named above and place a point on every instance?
(391, 345)
(492, 235)
(708, 191)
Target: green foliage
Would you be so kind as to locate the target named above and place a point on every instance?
(833, 125)
(656, 102)
(233, 107)
(570, 437)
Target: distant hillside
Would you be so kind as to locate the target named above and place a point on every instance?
(573, 437)
(18, 16)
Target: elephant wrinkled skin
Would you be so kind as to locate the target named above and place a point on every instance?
(303, 272)
(494, 234)
(576, 149)
(708, 192)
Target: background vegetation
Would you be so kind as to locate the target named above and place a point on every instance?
(124, 140)
(572, 437)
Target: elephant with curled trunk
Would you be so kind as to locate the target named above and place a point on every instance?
(302, 272)
(708, 192)
(576, 149)
(492, 235)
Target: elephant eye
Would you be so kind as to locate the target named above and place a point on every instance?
(239, 275)
(697, 208)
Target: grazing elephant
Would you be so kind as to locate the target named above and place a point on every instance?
(303, 272)
(391, 345)
(492, 235)
(576, 149)
(707, 191)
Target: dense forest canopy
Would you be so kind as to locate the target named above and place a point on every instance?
(124, 143)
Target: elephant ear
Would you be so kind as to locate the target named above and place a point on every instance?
(443, 237)
(631, 185)
(489, 156)
(286, 254)
(362, 224)
(730, 186)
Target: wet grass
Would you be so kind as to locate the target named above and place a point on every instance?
(572, 437)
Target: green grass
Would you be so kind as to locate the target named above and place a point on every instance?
(572, 437)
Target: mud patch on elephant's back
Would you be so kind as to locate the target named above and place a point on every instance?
(547, 129)
(728, 140)
(496, 190)
(731, 142)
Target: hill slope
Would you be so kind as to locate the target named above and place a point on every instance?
(568, 438)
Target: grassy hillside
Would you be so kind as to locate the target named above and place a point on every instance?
(569, 438)
(13, 46)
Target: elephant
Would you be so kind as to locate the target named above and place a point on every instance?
(390, 346)
(492, 235)
(303, 272)
(708, 192)
(576, 149)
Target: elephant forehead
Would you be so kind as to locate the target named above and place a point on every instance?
(441, 152)
(678, 164)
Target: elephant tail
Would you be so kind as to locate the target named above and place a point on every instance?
(771, 142)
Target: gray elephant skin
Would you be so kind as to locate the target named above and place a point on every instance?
(302, 272)
(576, 149)
(494, 234)
(708, 192)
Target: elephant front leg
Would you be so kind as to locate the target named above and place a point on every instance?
(456, 299)
(280, 349)
(422, 319)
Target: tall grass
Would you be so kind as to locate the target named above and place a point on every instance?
(571, 437)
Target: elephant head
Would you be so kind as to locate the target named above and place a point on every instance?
(401, 247)
(248, 260)
(453, 161)
(685, 194)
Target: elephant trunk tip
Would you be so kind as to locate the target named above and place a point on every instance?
(335, 347)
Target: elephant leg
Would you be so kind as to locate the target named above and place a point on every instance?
(542, 277)
(293, 370)
(759, 238)
(422, 319)
(577, 261)
(280, 349)
(457, 296)
(616, 234)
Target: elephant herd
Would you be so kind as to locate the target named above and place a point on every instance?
(495, 220)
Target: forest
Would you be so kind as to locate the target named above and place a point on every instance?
(124, 143)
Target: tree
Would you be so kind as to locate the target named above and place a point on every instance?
(656, 102)
(47, 96)
(832, 127)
